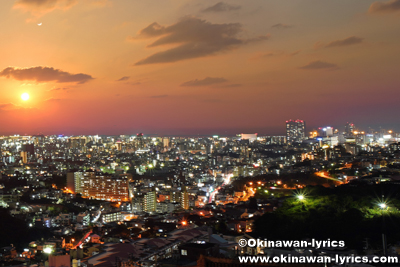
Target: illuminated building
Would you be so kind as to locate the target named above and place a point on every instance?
(30, 148)
(250, 137)
(24, 156)
(108, 217)
(166, 142)
(140, 140)
(184, 199)
(295, 131)
(150, 201)
(74, 181)
(83, 218)
(174, 196)
(325, 131)
(119, 146)
(349, 129)
(313, 134)
(102, 186)
(77, 142)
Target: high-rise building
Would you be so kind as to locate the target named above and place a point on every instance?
(24, 156)
(140, 141)
(349, 129)
(174, 196)
(295, 131)
(29, 148)
(165, 142)
(74, 181)
(150, 201)
(184, 199)
(325, 131)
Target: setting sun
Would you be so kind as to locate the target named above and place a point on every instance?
(25, 96)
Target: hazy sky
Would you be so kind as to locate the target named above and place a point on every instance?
(197, 67)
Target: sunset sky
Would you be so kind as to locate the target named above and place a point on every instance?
(179, 67)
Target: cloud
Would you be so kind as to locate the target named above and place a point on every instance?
(314, 65)
(52, 99)
(221, 7)
(194, 38)
(206, 81)
(100, 3)
(231, 85)
(8, 106)
(125, 78)
(282, 26)
(134, 83)
(294, 53)
(158, 96)
(385, 7)
(352, 40)
(274, 54)
(44, 74)
(39, 8)
(59, 89)
(212, 100)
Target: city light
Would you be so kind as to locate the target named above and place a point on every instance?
(48, 250)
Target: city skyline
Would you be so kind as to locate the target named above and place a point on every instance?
(203, 67)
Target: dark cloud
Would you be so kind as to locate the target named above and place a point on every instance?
(44, 74)
(125, 78)
(158, 96)
(232, 85)
(221, 7)
(385, 7)
(206, 81)
(314, 65)
(282, 26)
(352, 40)
(194, 38)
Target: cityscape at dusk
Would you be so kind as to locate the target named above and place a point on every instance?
(199, 133)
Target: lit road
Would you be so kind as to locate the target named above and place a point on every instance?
(324, 175)
(250, 193)
(83, 239)
(227, 181)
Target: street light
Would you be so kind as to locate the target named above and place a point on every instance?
(382, 205)
(300, 197)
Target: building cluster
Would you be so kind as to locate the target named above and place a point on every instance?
(163, 201)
